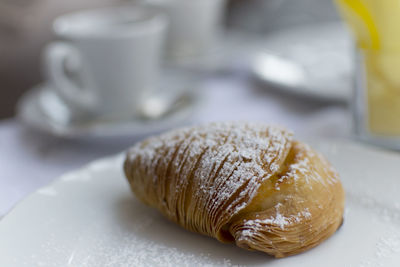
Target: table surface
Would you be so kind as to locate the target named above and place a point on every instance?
(30, 160)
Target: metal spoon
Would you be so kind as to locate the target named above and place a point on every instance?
(158, 106)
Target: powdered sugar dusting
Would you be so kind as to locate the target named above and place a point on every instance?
(277, 220)
(386, 248)
(223, 159)
(96, 247)
(302, 167)
(139, 252)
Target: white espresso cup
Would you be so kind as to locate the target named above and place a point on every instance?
(106, 61)
(193, 26)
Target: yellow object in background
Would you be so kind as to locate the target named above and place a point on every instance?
(361, 21)
(376, 26)
(382, 71)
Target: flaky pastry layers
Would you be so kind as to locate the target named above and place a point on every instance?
(247, 183)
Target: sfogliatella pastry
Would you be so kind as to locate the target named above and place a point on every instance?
(246, 183)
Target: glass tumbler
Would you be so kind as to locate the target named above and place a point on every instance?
(376, 103)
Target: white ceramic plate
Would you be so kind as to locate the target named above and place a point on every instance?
(311, 60)
(90, 218)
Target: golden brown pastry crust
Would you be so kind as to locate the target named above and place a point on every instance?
(240, 182)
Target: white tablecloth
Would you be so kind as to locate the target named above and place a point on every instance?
(29, 160)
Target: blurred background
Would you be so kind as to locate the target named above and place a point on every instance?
(25, 28)
(79, 86)
(285, 62)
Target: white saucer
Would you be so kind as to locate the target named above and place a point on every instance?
(34, 112)
(90, 218)
(321, 53)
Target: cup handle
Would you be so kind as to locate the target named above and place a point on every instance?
(61, 61)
